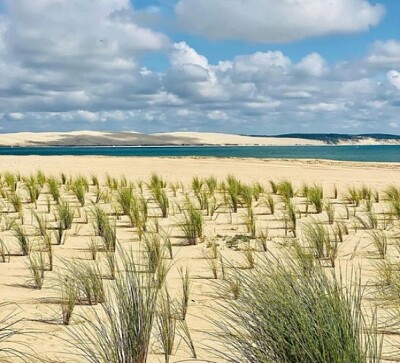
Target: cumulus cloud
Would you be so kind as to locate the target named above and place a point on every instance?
(394, 78)
(69, 55)
(313, 64)
(385, 53)
(71, 64)
(274, 21)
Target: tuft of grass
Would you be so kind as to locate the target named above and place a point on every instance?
(161, 198)
(93, 248)
(4, 252)
(353, 196)
(274, 187)
(186, 337)
(16, 201)
(211, 183)
(22, 239)
(233, 189)
(249, 255)
(369, 221)
(11, 181)
(87, 282)
(166, 324)
(104, 228)
(315, 196)
(153, 250)
(303, 258)
(9, 352)
(138, 214)
(34, 189)
(269, 200)
(185, 291)
(285, 189)
(392, 194)
(282, 315)
(121, 328)
(64, 215)
(318, 239)
(379, 239)
(125, 199)
(330, 211)
(69, 298)
(262, 239)
(213, 264)
(192, 224)
(389, 277)
(79, 187)
(250, 222)
(290, 218)
(37, 267)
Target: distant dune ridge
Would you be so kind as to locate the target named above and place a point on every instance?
(104, 138)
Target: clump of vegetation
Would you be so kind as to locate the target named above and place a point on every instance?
(22, 239)
(315, 196)
(192, 224)
(318, 238)
(279, 311)
(9, 330)
(233, 188)
(79, 187)
(121, 328)
(392, 194)
(285, 189)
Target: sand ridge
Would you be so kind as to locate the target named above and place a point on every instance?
(104, 138)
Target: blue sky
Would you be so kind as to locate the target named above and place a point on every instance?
(254, 66)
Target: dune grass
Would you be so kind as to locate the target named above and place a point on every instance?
(282, 315)
(192, 224)
(9, 347)
(120, 331)
(22, 239)
(318, 238)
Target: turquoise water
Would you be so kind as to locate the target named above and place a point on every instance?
(346, 153)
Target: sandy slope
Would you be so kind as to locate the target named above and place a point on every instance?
(173, 138)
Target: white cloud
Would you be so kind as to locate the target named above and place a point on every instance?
(88, 116)
(385, 53)
(313, 64)
(217, 115)
(71, 55)
(276, 21)
(71, 64)
(323, 106)
(182, 54)
(16, 115)
(394, 78)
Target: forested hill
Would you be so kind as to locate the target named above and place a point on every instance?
(338, 138)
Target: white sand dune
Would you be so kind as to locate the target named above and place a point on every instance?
(104, 138)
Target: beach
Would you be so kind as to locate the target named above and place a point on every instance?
(41, 308)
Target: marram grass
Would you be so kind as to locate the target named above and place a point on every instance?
(282, 315)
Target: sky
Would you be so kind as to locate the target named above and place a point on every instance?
(232, 66)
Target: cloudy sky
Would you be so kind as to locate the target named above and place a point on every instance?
(238, 66)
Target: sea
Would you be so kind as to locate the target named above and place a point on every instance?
(363, 153)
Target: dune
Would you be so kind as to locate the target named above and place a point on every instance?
(131, 138)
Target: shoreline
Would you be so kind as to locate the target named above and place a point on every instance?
(343, 144)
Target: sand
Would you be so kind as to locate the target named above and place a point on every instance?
(103, 138)
(40, 307)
